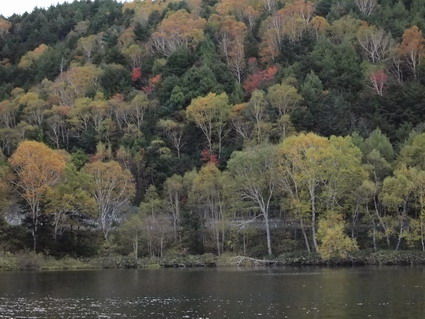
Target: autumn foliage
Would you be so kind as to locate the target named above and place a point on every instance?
(112, 187)
(208, 157)
(179, 29)
(153, 82)
(378, 80)
(133, 127)
(37, 168)
(4, 26)
(136, 74)
(412, 48)
(260, 78)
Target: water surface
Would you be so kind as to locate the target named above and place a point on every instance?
(362, 292)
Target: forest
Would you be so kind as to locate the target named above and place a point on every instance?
(239, 127)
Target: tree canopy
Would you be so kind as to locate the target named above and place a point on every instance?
(243, 126)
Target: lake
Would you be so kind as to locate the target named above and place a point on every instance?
(310, 292)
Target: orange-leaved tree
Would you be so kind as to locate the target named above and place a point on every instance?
(231, 35)
(37, 168)
(412, 48)
(4, 26)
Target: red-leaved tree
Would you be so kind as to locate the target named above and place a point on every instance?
(136, 74)
(208, 157)
(260, 79)
(378, 79)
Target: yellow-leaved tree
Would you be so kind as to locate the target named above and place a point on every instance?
(210, 113)
(179, 29)
(334, 242)
(37, 168)
(112, 188)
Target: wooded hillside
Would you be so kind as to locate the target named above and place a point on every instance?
(255, 127)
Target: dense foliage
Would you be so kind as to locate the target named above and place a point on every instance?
(255, 127)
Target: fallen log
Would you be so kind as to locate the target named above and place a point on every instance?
(244, 260)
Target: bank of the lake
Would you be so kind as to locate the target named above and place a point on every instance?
(31, 261)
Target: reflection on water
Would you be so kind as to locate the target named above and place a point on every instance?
(365, 292)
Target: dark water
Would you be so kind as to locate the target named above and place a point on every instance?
(365, 292)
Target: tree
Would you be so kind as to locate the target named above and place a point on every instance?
(138, 107)
(113, 188)
(157, 224)
(5, 26)
(412, 48)
(284, 98)
(88, 45)
(58, 124)
(144, 10)
(290, 22)
(301, 158)
(208, 192)
(379, 142)
(418, 178)
(11, 137)
(345, 29)
(174, 132)
(334, 243)
(210, 113)
(8, 114)
(35, 107)
(271, 37)
(319, 174)
(37, 168)
(174, 188)
(270, 5)
(396, 191)
(243, 10)
(413, 152)
(378, 79)
(134, 52)
(191, 221)
(241, 122)
(257, 109)
(127, 37)
(179, 29)
(76, 82)
(347, 184)
(253, 172)
(31, 57)
(366, 7)
(231, 35)
(69, 199)
(320, 25)
(133, 227)
(375, 42)
(259, 79)
(378, 155)
(5, 187)
(115, 79)
(98, 115)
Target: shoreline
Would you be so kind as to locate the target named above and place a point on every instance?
(39, 262)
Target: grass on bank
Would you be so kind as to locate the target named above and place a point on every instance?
(31, 261)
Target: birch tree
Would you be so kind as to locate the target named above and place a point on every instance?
(113, 188)
(37, 168)
(210, 113)
(253, 171)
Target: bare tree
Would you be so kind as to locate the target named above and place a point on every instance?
(366, 7)
(376, 43)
